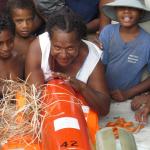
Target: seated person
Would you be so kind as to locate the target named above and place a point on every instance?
(10, 66)
(126, 54)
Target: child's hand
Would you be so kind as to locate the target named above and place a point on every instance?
(119, 95)
(138, 101)
(141, 114)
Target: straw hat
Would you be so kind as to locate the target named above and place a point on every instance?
(109, 8)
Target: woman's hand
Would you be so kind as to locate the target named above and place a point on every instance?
(75, 83)
(58, 75)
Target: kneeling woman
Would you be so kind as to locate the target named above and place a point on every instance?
(60, 52)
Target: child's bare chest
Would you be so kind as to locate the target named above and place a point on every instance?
(22, 46)
(9, 70)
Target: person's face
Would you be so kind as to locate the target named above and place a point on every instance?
(127, 16)
(64, 47)
(23, 19)
(6, 44)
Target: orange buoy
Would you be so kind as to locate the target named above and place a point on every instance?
(65, 126)
(21, 144)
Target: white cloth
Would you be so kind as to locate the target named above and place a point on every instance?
(123, 109)
(87, 67)
(147, 3)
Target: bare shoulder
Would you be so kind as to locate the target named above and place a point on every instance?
(98, 70)
(33, 59)
(34, 52)
(33, 63)
(34, 47)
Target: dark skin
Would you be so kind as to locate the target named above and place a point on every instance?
(129, 30)
(141, 104)
(67, 55)
(99, 24)
(23, 19)
(93, 25)
(104, 20)
(142, 114)
(10, 67)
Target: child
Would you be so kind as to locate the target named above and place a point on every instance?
(22, 13)
(10, 67)
(126, 48)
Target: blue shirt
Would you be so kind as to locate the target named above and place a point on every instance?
(124, 61)
(87, 9)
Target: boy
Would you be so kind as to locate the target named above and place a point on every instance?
(22, 13)
(10, 67)
(125, 52)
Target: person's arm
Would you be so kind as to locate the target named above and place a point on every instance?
(93, 25)
(104, 20)
(143, 112)
(95, 91)
(120, 95)
(33, 71)
(99, 23)
(139, 100)
(139, 88)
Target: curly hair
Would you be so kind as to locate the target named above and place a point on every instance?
(6, 23)
(68, 21)
(20, 4)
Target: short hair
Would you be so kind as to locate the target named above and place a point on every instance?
(6, 23)
(68, 21)
(20, 4)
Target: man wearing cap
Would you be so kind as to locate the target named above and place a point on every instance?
(126, 48)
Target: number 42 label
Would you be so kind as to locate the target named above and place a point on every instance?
(69, 144)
